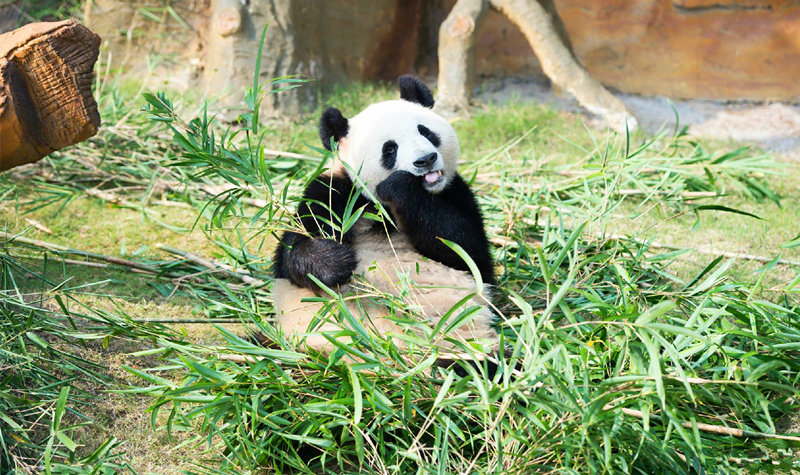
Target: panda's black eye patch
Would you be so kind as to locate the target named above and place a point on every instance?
(389, 154)
(430, 135)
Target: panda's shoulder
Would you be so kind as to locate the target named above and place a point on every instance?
(458, 190)
(329, 183)
(333, 192)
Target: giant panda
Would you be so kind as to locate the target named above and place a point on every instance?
(401, 154)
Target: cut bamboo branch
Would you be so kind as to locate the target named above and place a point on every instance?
(500, 242)
(46, 98)
(729, 254)
(299, 156)
(117, 200)
(192, 321)
(36, 224)
(569, 183)
(238, 358)
(72, 262)
(90, 255)
(195, 259)
(711, 428)
(684, 194)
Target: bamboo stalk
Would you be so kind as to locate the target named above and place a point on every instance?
(73, 262)
(567, 184)
(711, 428)
(299, 156)
(195, 259)
(91, 255)
(499, 241)
(238, 358)
(731, 254)
(186, 320)
(684, 194)
(36, 224)
(742, 461)
(174, 204)
(117, 200)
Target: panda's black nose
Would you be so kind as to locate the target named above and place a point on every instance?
(426, 161)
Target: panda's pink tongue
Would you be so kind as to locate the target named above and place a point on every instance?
(431, 177)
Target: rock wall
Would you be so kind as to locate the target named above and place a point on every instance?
(143, 37)
(212, 44)
(715, 49)
(702, 49)
(712, 49)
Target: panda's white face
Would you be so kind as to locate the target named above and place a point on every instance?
(400, 135)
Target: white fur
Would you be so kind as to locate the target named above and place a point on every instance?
(397, 120)
(394, 268)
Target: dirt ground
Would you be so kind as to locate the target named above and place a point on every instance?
(774, 127)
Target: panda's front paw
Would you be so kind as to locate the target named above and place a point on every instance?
(400, 183)
(330, 262)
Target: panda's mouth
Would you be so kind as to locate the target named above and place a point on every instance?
(432, 178)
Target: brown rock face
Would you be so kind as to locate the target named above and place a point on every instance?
(213, 45)
(715, 49)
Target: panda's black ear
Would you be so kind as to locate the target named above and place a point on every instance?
(414, 90)
(332, 124)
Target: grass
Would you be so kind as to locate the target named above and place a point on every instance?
(597, 326)
(29, 11)
(600, 326)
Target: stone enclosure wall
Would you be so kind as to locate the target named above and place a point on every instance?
(714, 49)
(703, 49)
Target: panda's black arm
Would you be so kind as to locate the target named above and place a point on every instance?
(324, 252)
(324, 206)
(451, 214)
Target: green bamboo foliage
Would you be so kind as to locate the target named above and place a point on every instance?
(615, 365)
(43, 382)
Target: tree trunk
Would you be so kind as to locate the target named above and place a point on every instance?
(284, 53)
(559, 65)
(457, 38)
(456, 55)
(46, 103)
(230, 56)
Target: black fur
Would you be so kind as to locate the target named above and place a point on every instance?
(486, 367)
(414, 90)
(451, 214)
(389, 154)
(326, 254)
(331, 262)
(334, 125)
(432, 136)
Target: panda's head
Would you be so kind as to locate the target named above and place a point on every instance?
(395, 135)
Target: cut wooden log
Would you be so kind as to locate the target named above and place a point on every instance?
(46, 103)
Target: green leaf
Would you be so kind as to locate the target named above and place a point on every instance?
(357, 399)
(792, 243)
(473, 268)
(723, 209)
